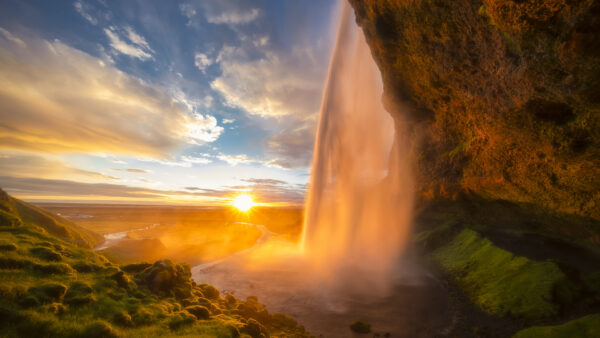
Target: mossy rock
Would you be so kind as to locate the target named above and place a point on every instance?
(86, 267)
(121, 278)
(254, 329)
(498, 281)
(123, 319)
(181, 319)
(360, 327)
(100, 329)
(588, 326)
(8, 219)
(48, 292)
(199, 311)
(46, 254)
(53, 269)
(8, 247)
(136, 267)
(10, 263)
(79, 293)
(209, 291)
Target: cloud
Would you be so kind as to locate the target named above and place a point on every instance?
(140, 49)
(137, 39)
(227, 121)
(8, 35)
(187, 10)
(197, 160)
(202, 129)
(53, 187)
(40, 189)
(202, 61)
(58, 99)
(268, 181)
(184, 161)
(235, 12)
(134, 170)
(236, 159)
(23, 164)
(84, 10)
(276, 85)
(273, 190)
(233, 17)
(293, 146)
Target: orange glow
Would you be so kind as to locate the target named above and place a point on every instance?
(243, 202)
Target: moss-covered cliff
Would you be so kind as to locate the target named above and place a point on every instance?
(504, 94)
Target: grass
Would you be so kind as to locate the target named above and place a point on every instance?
(498, 281)
(588, 326)
(51, 287)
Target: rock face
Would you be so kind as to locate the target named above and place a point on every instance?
(504, 95)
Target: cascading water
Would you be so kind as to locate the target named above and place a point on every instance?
(360, 196)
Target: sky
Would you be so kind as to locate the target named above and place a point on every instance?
(177, 102)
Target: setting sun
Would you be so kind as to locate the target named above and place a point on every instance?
(243, 202)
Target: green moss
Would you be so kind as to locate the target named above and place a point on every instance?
(360, 327)
(498, 281)
(588, 326)
(45, 254)
(200, 312)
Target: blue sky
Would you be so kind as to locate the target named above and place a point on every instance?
(161, 101)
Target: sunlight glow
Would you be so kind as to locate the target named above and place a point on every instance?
(243, 202)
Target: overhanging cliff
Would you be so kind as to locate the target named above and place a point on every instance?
(505, 95)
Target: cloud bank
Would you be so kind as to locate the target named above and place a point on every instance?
(58, 99)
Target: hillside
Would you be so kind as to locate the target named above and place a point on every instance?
(16, 213)
(52, 286)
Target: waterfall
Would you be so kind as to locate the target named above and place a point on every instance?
(360, 196)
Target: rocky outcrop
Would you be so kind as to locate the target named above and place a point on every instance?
(504, 95)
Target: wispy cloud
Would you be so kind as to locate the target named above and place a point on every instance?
(133, 170)
(293, 146)
(39, 189)
(277, 85)
(84, 10)
(202, 61)
(233, 17)
(9, 36)
(56, 99)
(196, 160)
(23, 164)
(138, 48)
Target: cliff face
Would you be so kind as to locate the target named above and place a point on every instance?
(505, 95)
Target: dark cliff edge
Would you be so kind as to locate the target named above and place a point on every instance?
(503, 99)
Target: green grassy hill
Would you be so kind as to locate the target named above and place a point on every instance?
(16, 213)
(51, 285)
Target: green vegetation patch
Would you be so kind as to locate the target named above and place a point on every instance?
(51, 287)
(498, 281)
(588, 326)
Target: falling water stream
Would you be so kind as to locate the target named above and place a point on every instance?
(360, 198)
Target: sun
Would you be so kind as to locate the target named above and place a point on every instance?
(243, 202)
